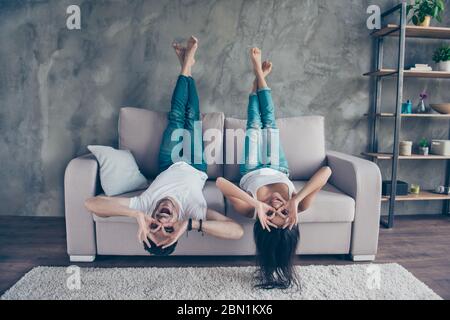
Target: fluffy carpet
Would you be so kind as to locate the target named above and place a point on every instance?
(388, 281)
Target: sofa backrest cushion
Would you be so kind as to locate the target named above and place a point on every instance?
(303, 141)
(141, 131)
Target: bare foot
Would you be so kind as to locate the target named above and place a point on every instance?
(180, 51)
(267, 68)
(255, 56)
(189, 57)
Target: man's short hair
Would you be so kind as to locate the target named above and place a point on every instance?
(159, 251)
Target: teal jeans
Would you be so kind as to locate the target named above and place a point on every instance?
(183, 138)
(262, 142)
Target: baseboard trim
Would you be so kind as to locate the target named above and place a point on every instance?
(82, 258)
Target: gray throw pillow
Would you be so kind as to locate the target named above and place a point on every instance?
(119, 172)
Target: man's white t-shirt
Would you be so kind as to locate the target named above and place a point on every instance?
(181, 182)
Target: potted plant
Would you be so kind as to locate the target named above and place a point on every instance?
(425, 10)
(424, 147)
(442, 58)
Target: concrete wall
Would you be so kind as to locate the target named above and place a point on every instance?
(61, 90)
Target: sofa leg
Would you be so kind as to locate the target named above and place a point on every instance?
(363, 258)
(82, 258)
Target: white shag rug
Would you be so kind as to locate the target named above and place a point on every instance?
(363, 281)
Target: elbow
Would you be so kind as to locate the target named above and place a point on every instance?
(90, 204)
(239, 232)
(219, 182)
(328, 171)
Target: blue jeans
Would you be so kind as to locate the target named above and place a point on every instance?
(262, 136)
(184, 128)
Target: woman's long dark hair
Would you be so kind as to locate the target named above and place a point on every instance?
(275, 251)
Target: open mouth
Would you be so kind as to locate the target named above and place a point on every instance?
(165, 211)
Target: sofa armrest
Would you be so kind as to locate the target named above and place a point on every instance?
(80, 183)
(360, 179)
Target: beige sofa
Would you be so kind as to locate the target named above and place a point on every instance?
(343, 220)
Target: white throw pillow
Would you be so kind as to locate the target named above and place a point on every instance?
(119, 172)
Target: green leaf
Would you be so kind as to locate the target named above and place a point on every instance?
(435, 12)
(415, 20)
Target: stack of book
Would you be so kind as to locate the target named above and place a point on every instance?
(421, 67)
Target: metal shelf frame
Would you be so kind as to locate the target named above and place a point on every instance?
(376, 106)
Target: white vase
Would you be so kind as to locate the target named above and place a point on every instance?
(444, 66)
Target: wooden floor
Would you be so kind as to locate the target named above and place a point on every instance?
(421, 244)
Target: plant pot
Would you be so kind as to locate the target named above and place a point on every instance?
(406, 148)
(444, 66)
(425, 151)
(426, 22)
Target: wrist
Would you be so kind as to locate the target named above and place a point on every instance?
(137, 214)
(256, 203)
(195, 224)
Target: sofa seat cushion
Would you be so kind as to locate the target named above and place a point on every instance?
(330, 205)
(212, 194)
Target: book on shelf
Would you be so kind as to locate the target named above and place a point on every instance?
(420, 67)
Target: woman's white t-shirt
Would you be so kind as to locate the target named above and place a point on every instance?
(181, 182)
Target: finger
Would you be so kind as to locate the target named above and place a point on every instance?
(168, 224)
(286, 224)
(292, 224)
(164, 232)
(281, 214)
(272, 224)
(147, 242)
(262, 223)
(267, 226)
(156, 230)
(168, 245)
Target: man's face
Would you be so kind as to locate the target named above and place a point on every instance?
(166, 214)
(166, 211)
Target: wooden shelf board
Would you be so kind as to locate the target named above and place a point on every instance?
(392, 30)
(414, 115)
(388, 156)
(422, 196)
(409, 74)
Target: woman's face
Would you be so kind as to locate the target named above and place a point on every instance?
(276, 201)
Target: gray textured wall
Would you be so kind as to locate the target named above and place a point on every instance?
(61, 90)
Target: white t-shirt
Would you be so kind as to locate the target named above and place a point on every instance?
(256, 179)
(181, 182)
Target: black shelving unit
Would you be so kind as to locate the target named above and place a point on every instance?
(402, 31)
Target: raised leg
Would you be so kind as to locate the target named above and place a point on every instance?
(252, 146)
(272, 152)
(193, 125)
(177, 115)
(176, 121)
